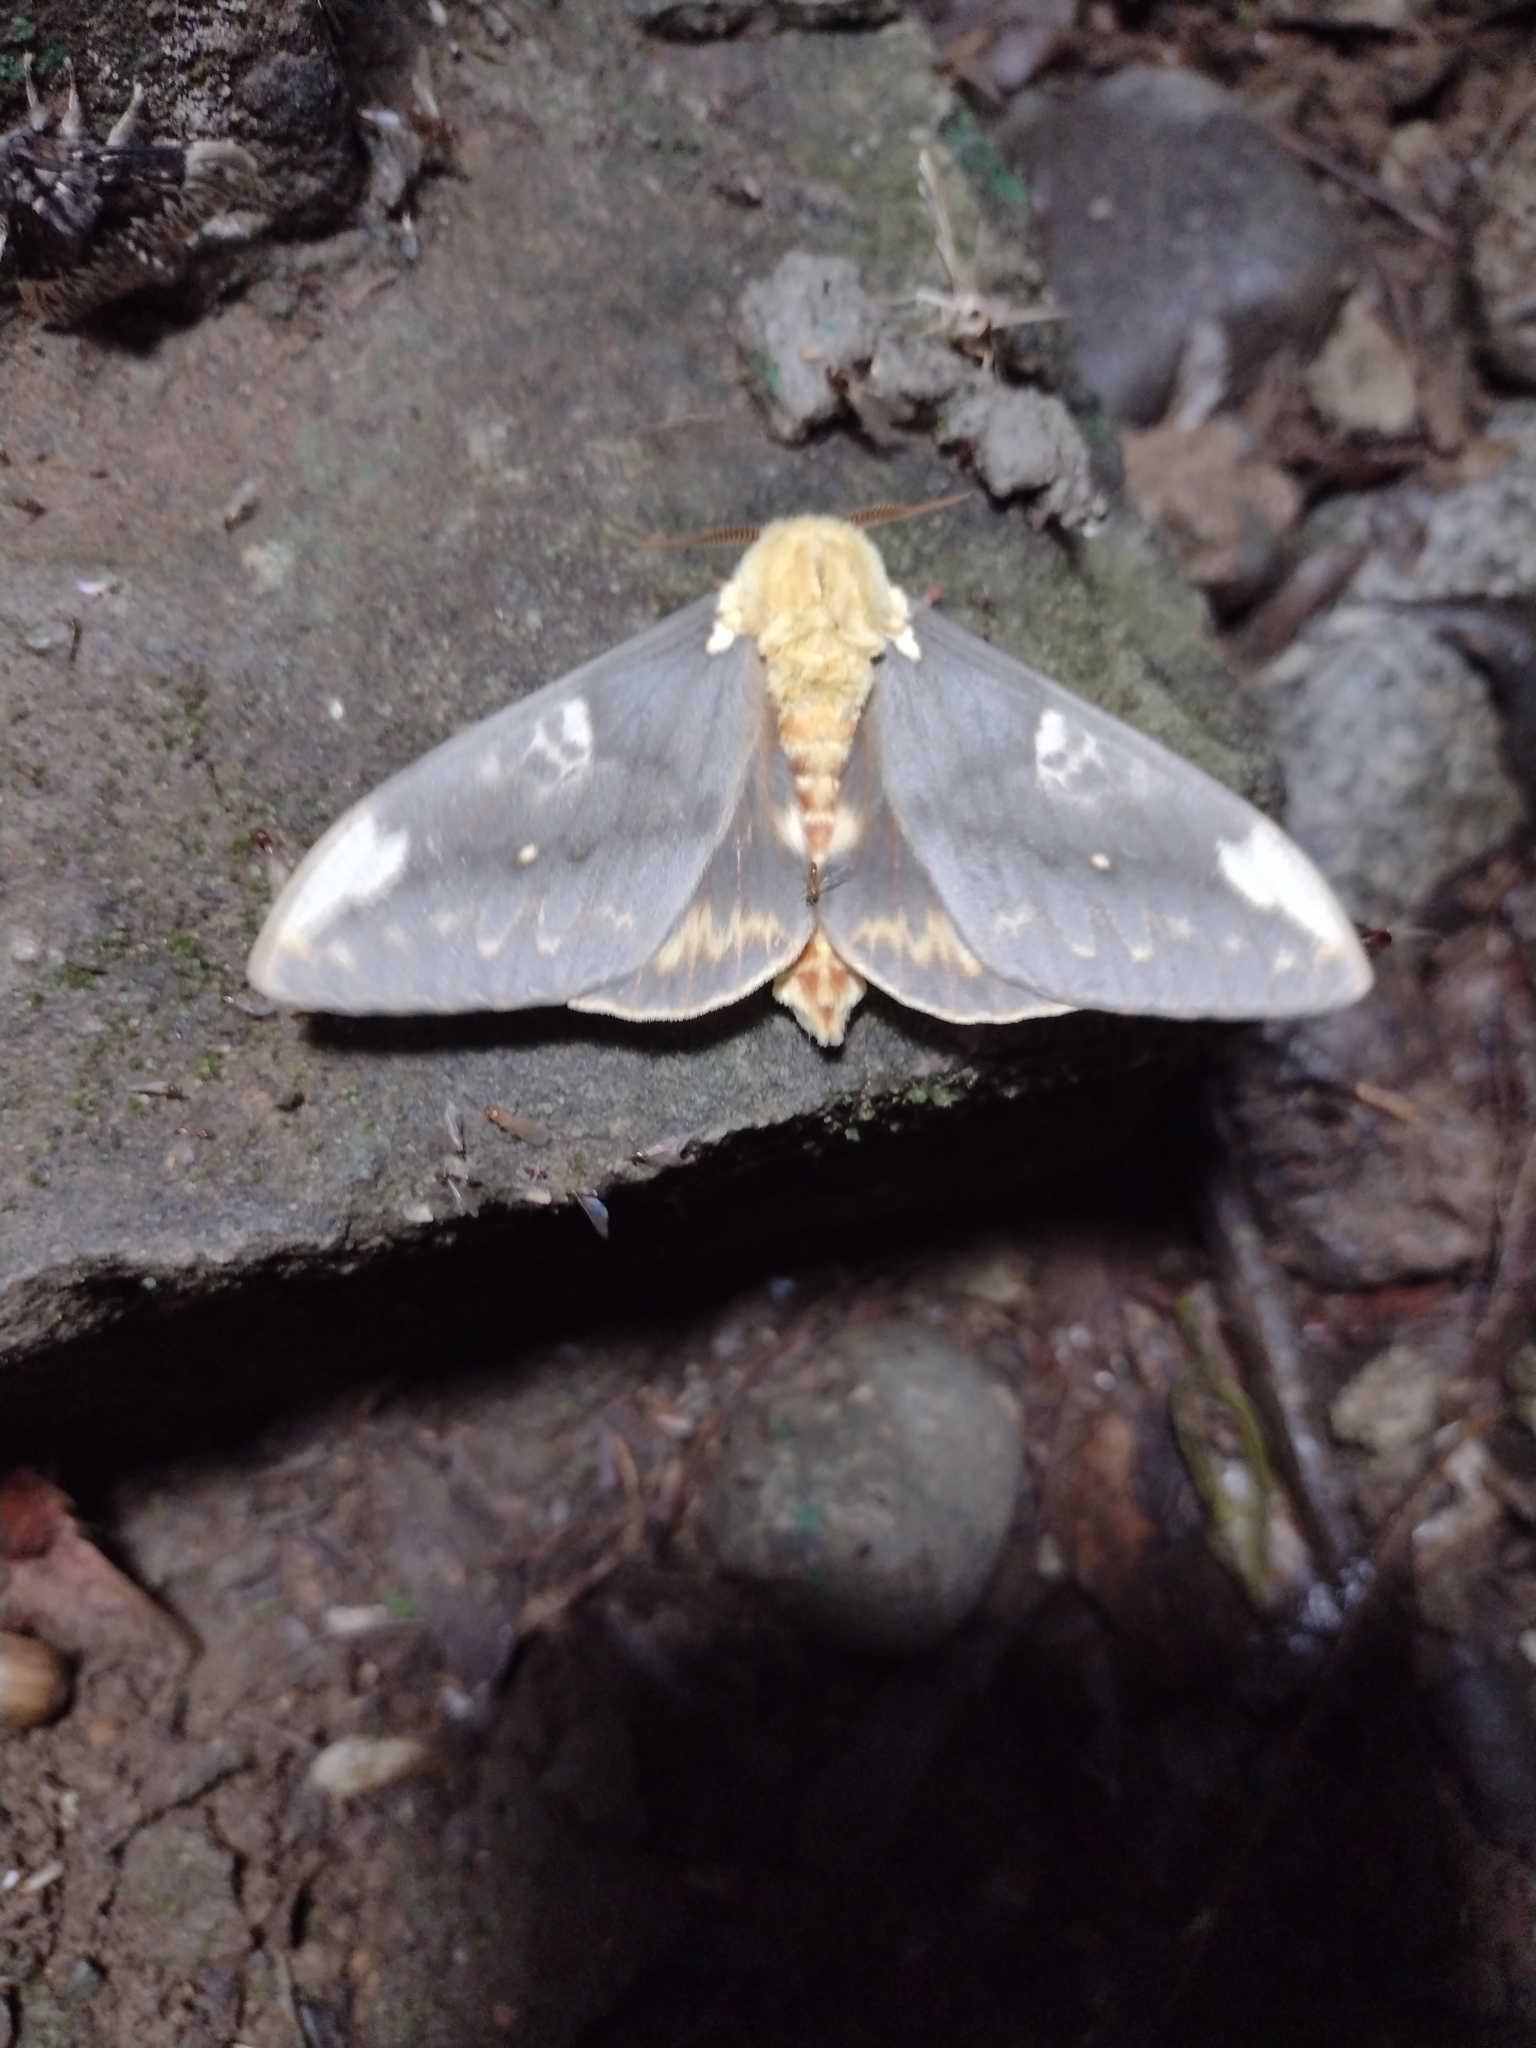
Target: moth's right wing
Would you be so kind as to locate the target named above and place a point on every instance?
(545, 854)
(1084, 863)
(886, 919)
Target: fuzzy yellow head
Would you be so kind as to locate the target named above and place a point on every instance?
(805, 579)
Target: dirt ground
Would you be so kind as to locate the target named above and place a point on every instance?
(1238, 1746)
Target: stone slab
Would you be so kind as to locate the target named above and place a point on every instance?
(451, 464)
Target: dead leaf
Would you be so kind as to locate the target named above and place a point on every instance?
(1363, 377)
(59, 1586)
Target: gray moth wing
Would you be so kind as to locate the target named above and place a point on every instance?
(1085, 863)
(884, 916)
(747, 920)
(546, 852)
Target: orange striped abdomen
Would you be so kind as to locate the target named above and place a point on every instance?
(816, 737)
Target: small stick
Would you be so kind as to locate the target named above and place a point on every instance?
(1369, 187)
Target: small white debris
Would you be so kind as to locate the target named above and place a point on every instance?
(356, 1621)
(269, 564)
(366, 1763)
(243, 504)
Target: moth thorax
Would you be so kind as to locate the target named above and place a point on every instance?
(814, 597)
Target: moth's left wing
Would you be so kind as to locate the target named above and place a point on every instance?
(545, 854)
(747, 920)
(1084, 863)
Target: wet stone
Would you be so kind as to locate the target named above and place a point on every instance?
(874, 1502)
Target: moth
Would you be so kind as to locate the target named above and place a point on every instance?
(810, 782)
(86, 222)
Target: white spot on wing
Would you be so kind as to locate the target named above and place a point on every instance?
(527, 855)
(358, 866)
(721, 637)
(1274, 874)
(563, 740)
(1062, 756)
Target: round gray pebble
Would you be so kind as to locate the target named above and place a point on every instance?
(874, 1503)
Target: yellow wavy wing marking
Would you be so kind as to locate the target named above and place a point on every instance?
(699, 939)
(821, 989)
(935, 944)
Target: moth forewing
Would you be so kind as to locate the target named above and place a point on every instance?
(539, 855)
(659, 833)
(1083, 861)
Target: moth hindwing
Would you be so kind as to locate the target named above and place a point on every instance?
(805, 781)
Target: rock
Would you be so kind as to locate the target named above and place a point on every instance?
(875, 1501)
(1397, 768)
(1504, 259)
(912, 374)
(811, 320)
(1392, 757)
(1024, 443)
(1389, 1409)
(1498, 636)
(1391, 1404)
(1165, 204)
(213, 720)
